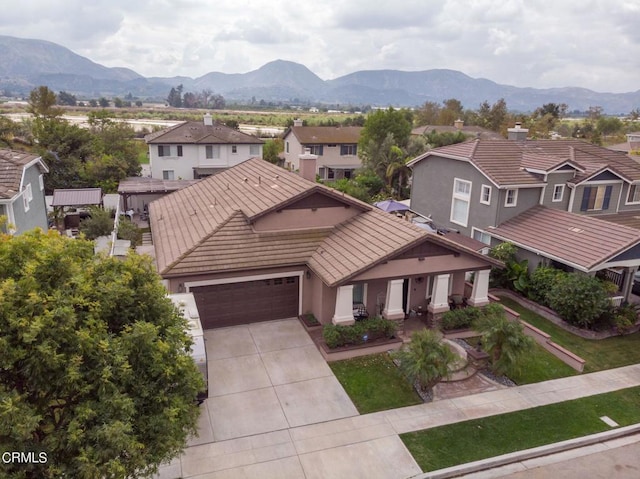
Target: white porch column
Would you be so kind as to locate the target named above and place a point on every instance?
(440, 296)
(343, 314)
(480, 291)
(393, 304)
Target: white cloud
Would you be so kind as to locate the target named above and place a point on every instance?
(540, 43)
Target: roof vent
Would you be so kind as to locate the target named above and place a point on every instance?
(576, 230)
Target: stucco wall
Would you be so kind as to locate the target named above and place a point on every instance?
(527, 198)
(432, 190)
(196, 156)
(553, 179)
(330, 155)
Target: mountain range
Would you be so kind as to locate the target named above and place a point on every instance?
(27, 63)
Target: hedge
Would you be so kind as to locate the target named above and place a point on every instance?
(358, 333)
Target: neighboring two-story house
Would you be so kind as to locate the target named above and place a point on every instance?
(194, 150)
(22, 199)
(545, 196)
(335, 147)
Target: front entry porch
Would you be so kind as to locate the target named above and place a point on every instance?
(395, 298)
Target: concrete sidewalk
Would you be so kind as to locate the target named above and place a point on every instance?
(347, 447)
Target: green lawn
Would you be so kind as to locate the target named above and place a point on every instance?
(374, 383)
(468, 441)
(599, 354)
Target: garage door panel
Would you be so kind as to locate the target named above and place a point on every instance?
(247, 302)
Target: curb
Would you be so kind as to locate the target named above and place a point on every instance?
(526, 454)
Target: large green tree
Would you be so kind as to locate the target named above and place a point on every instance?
(42, 103)
(94, 364)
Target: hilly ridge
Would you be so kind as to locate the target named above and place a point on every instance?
(26, 64)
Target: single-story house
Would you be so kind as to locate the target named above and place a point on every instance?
(257, 242)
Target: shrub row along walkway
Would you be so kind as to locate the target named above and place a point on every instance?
(339, 446)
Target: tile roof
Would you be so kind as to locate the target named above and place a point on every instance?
(582, 241)
(196, 132)
(77, 197)
(207, 228)
(310, 135)
(12, 164)
(504, 161)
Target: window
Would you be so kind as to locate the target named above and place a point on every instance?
(28, 192)
(167, 174)
(164, 150)
(179, 150)
(481, 236)
(331, 173)
(358, 293)
(41, 182)
(511, 198)
(322, 172)
(286, 147)
(596, 198)
(315, 149)
(634, 194)
(485, 195)
(234, 149)
(254, 150)
(212, 151)
(25, 201)
(460, 202)
(558, 193)
(348, 150)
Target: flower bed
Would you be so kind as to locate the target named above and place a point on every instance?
(359, 333)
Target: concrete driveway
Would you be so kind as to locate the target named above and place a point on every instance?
(275, 410)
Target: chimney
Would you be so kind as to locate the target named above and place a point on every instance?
(518, 133)
(208, 120)
(297, 122)
(308, 165)
(458, 124)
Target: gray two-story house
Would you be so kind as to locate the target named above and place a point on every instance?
(22, 201)
(560, 201)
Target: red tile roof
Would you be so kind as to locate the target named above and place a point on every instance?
(505, 162)
(581, 241)
(312, 135)
(207, 228)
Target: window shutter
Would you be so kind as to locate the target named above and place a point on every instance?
(585, 198)
(607, 197)
(160, 150)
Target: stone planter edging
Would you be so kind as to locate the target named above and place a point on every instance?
(348, 352)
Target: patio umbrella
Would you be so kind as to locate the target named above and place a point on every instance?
(391, 205)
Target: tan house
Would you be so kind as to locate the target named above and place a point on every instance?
(196, 149)
(257, 243)
(336, 148)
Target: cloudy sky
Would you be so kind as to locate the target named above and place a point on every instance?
(593, 44)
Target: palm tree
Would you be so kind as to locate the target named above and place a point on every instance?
(426, 360)
(503, 340)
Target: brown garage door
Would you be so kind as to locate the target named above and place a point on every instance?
(249, 302)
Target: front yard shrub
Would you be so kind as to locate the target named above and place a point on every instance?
(358, 333)
(460, 318)
(579, 299)
(542, 282)
(503, 340)
(426, 360)
(514, 275)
